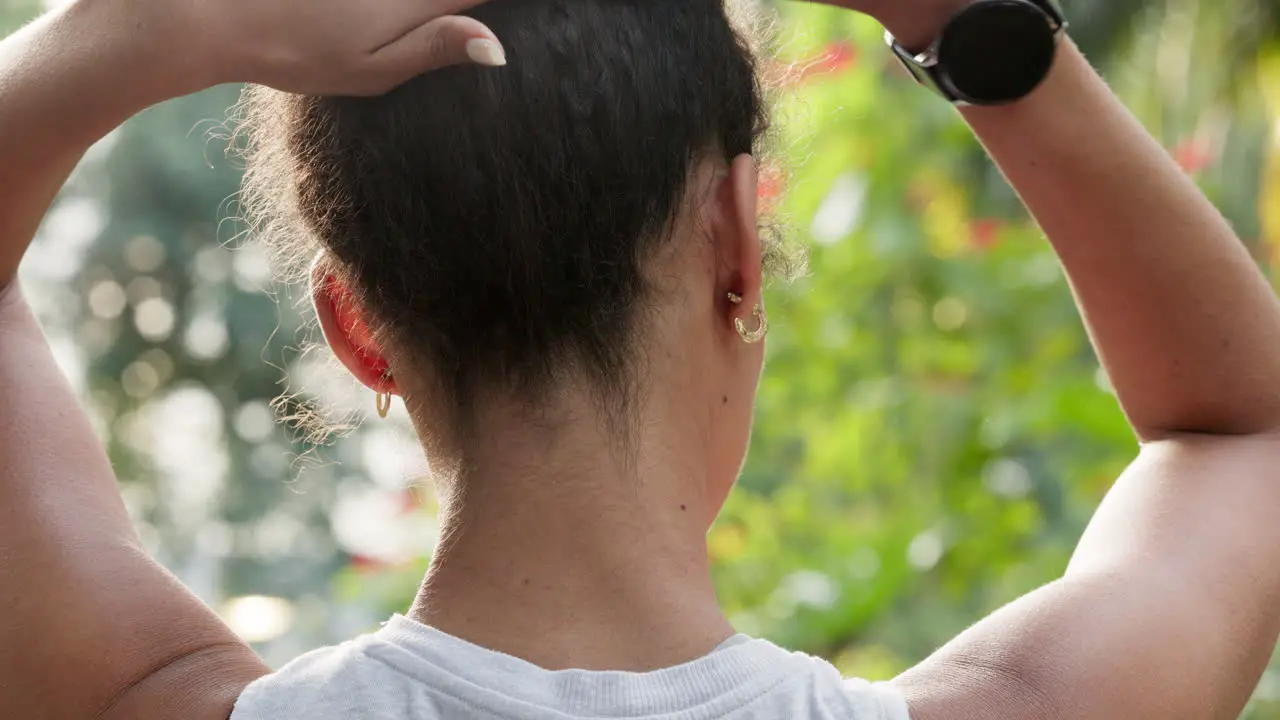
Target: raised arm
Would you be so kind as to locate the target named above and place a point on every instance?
(91, 627)
(1171, 605)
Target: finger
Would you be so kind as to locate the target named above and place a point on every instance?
(445, 41)
(439, 8)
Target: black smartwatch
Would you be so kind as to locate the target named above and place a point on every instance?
(992, 52)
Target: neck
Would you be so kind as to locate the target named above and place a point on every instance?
(558, 551)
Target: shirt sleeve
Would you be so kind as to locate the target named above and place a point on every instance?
(892, 702)
(889, 701)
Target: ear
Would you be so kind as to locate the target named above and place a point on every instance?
(741, 257)
(346, 330)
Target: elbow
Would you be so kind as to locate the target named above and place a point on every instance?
(1228, 419)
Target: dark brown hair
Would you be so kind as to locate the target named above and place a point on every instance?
(495, 222)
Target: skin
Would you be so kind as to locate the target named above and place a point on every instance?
(1170, 607)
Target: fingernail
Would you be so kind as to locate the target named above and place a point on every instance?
(486, 52)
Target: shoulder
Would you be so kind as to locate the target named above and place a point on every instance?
(338, 682)
(843, 696)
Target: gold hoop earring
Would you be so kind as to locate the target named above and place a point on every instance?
(751, 337)
(384, 398)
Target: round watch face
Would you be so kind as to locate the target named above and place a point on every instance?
(997, 51)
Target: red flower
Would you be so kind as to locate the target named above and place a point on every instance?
(984, 233)
(366, 564)
(771, 186)
(838, 57)
(1194, 155)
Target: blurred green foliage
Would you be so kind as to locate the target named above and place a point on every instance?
(933, 430)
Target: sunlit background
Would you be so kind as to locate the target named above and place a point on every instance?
(933, 430)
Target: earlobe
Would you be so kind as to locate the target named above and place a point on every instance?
(345, 329)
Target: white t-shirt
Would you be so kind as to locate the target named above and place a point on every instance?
(408, 671)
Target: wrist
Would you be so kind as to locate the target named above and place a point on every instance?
(918, 26)
(141, 48)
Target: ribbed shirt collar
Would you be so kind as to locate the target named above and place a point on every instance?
(737, 672)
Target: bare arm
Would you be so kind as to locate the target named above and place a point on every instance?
(1185, 324)
(1171, 605)
(59, 97)
(88, 617)
(92, 627)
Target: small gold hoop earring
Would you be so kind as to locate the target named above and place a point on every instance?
(751, 337)
(384, 398)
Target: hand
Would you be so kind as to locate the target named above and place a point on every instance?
(915, 23)
(336, 47)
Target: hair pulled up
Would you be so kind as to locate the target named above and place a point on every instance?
(495, 222)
